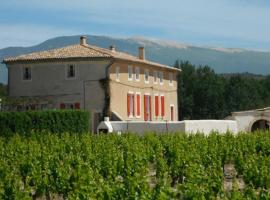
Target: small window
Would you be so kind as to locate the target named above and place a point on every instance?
(146, 76)
(171, 79)
(160, 76)
(137, 73)
(71, 71)
(155, 77)
(117, 71)
(130, 73)
(27, 75)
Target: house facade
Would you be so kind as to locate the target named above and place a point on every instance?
(102, 81)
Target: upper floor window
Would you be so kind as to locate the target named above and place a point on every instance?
(71, 71)
(146, 76)
(27, 75)
(117, 71)
(155, 77)
(171, 79)
(160, 76)
(137, 73)
(130, 73)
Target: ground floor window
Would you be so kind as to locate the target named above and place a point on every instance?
(130, 105)
(162, 102)
(172, 112)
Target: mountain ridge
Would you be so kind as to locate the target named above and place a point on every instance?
(222, 60)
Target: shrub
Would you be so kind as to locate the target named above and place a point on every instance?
(54, 121)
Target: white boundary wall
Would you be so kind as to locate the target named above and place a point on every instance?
(188, 126)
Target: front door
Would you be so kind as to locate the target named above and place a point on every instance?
(147, 108)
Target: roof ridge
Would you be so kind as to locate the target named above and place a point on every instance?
(100, 50)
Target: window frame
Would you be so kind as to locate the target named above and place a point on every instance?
(137, 72)
(170, 79)
(161, 77)
(172, 117)
(117, 73)
(146, 71)
(133, 113)
(130, 73)
(136, 107)
(155, 77)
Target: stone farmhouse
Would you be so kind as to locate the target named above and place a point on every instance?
(104, 82)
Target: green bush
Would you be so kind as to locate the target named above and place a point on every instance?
(54, 121)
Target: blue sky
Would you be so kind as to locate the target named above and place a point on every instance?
(218, 23)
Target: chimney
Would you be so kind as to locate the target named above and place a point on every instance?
(141, 53)
(112, 48)
(83, 40)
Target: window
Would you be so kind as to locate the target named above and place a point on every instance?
(171, 79)
(117, 71)
(146, 76)
(156, 105)
(160, 76)
(130, 105)
(71, 71)
(27, 75)
(130, 73)
(172, 112)
(155, 77)
(137, 74)
(147, 108)
(162, 101)
(138, 105)
(70, 105)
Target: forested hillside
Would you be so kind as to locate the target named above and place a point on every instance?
(203, 94)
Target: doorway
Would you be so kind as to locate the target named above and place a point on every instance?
(147, 108)
(260, 125)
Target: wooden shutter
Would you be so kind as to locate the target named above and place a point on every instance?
(133, 105)
(150, 106)
(138, 104)
(62, 106)
(77, 105)
(145, 115)
(156, 106)
(162, 106)
(128, 105)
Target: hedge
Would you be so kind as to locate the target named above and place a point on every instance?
(54, 121)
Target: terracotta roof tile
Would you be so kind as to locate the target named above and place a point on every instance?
(80, 51)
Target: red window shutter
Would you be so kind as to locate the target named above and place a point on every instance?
(145, 115)
(77, 105)
(138, 105)
(128, 105)
(133, 104)
(150, 105)
(62, 106)
(162, 106)
(156, 106)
